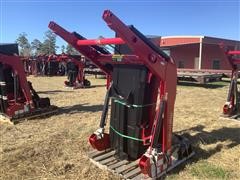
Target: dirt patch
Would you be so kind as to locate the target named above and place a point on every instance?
(56, 147)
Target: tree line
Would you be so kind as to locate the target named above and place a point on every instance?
(46, 47)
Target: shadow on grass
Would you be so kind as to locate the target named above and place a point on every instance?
(53, 92)
(63, 110)
(226, 80)
(79, 108)
(207, 138)
(60, 91)
(95, 86)
(212, 85)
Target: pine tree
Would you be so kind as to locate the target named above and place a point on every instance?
(36, 46)
(49, 44)
(71, 51)
(24, 45)
(63, 48)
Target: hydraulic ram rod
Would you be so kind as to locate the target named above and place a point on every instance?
(105, 41)
(233, 52)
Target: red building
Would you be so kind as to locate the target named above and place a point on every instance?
(198, 52)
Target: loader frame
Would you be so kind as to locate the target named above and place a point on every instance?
(23, 102)
(165, 150)
(80, 80)
(231, 108)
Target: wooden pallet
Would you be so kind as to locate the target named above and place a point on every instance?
(36, 114)
(232, 118)
(107, 160)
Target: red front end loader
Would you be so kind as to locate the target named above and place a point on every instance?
(141, 87)
(75, 70)
(18, 99)
(231, 108)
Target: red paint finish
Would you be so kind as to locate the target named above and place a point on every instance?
(231, 107)
(185, 54)
(15, 63)
(214, 52)
(163, 74)
(178, 41)
(104, 41)
(185, 49)
(234, 52)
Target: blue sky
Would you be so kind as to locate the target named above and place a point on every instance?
(218, 18)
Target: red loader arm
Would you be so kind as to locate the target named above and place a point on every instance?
(16, 63)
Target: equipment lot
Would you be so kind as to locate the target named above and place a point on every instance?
(56, 147)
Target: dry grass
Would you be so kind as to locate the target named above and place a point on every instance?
(56, 147)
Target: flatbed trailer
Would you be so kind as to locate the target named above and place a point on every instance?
(200, 76)
(225, 73)
(94, 71)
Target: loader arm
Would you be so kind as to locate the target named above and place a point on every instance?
(156, 60)
(17, 66)
(145, 52)
(72, 39)
(142, 92)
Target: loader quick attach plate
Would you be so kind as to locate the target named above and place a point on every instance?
(125, 169)
(41, 112)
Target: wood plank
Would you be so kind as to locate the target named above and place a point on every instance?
(126, 167)
(132, 173)
(139, 177)
(96, 163)
(108, 160)
(112, 163)
(104, 156)
(92, 152)
(98, 153)
(114, 166)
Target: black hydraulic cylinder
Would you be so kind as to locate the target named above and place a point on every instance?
(149, 43)
(15, 87)
(105, 107)
(236, 94)
(231, 89)
(230, 92)
(3, 91)
(158, 126)
(34, 93)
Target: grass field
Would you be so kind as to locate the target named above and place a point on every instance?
(56, 147)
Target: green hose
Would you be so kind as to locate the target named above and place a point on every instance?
(132, 105)
(125, 136)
